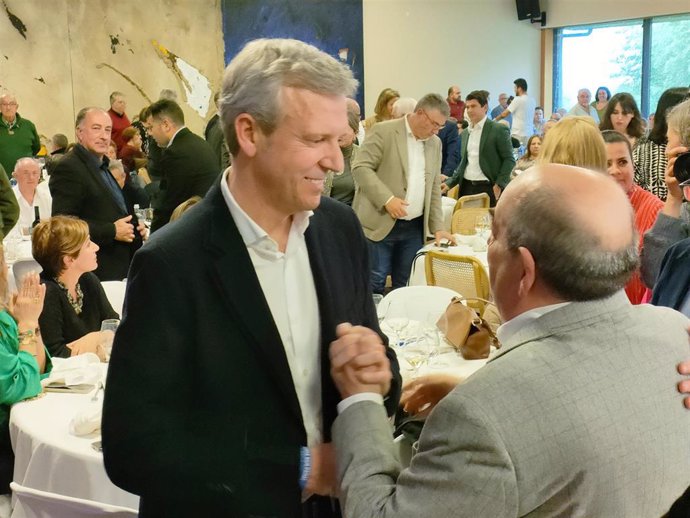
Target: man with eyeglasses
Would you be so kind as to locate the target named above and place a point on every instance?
(487, 153)
(398, 198)
(18, 136)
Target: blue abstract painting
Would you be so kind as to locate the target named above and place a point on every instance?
(334, 26)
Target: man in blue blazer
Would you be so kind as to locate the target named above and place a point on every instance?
(219, 400)
(487, 154)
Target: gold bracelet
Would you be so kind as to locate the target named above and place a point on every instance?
(28, 338)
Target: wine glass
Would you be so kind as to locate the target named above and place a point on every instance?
(108, 328)
(415, 356)
(482, 224)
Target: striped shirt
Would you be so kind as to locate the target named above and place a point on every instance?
(646, 207)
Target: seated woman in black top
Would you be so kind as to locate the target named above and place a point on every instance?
(75, 303)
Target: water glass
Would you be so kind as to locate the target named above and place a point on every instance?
(108, 328)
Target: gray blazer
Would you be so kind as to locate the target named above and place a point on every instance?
(576, 416)
(380, 170)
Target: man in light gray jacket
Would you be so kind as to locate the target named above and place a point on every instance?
(573, 416)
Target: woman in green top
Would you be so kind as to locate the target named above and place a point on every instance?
(23, 358)
(601, 101)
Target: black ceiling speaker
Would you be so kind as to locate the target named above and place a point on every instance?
(527, 9)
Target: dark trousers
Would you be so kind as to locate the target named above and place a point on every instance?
(468, 187)
(394, 253)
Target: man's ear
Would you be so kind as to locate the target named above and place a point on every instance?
(529, 271)
(248, 132)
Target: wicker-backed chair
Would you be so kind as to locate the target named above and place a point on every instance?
(464, 220)
(462, 273)
(473, 201)
(454, 192)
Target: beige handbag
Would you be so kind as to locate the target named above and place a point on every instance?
(467, 331)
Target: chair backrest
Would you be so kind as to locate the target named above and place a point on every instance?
(473, 201)
(24, 266)
(415, 302)
(32, 503)
(462, 273)
(454, 192)
(115, 291)
(464, 220)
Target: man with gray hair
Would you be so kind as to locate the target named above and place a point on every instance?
(398, 199)
(31, 195)
(18, 136)
(82, 186)
(221, 358)
(573, 416)
(583, 108)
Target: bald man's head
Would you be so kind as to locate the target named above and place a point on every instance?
(577, 225)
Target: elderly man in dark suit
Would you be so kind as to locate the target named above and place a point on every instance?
(81, 185)
(487, 154)
(188, 165)
(219, 399)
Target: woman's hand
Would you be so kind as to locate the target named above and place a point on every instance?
(27, 304)
(89, 343)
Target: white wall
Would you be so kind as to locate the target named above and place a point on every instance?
(560, 13)
(422, 46)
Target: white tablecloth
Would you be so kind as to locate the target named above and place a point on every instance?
(448, 361)
(447, 206)
(418, 275)
(49, 458)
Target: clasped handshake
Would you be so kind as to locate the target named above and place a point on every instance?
(359, 362)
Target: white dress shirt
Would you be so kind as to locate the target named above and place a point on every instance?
(42, 200)
(473, 171)
(288, 284)
(508, 329)
(416, 165)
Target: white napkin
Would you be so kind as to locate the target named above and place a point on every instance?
(84, 369)
(462, 239)
(87, 420)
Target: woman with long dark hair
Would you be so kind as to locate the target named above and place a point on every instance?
(650, 154)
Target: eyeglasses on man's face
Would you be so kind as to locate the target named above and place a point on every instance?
(434, 124)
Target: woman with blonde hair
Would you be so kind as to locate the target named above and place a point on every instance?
(383, 110)
(75, 301)
(574, 141)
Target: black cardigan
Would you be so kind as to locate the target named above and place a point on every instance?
(61, 325)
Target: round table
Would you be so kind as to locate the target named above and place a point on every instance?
(49, 458)
(448, 361)
(418, 274)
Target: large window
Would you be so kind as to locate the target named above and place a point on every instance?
(642, 57)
